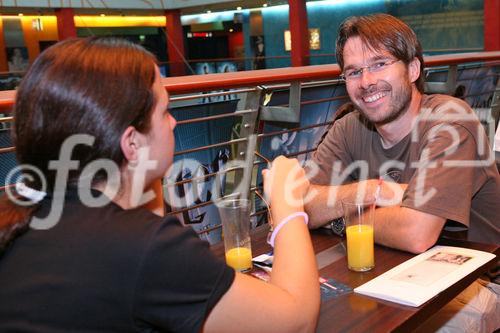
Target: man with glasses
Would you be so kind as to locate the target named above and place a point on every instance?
(434, 144)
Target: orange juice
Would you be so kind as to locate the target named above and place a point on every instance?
(239, 258)
(360, 247)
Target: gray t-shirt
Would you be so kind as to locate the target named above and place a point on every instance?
(445, 160)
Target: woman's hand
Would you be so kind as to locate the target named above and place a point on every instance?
(285, 185)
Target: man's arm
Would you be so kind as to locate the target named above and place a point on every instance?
(406, 228)
(395, 226)
(323, 202)
(441, 173)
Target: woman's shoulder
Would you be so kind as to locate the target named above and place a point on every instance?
(109, 222)
(134, 221)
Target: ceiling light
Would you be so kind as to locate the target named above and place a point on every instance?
(102, 15)
(238, 8)
(264, 5)
(231, 30)
(209, 11)
(20, 14)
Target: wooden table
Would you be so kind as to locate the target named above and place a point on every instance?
(358, 313)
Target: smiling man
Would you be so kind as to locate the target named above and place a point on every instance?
(433, 144)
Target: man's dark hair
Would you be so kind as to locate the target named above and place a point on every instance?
(382, 32)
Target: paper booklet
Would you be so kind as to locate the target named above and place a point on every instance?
(419, 279)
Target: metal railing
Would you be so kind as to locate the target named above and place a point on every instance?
(273, 80)
(272, 104)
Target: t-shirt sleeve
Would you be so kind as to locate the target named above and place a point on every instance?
(180, 281)
(331, 157)
(443, 182)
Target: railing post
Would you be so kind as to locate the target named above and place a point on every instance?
(290, 114)
(446, 87)
(245, 150)
(495, 104)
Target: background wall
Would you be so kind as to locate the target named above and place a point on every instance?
(443, 26)
(328, 19)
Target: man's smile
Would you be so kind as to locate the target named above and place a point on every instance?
(374, 97)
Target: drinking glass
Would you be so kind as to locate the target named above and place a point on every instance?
(358, 216)
(235, 217)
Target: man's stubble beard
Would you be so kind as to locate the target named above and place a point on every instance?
(400, 100)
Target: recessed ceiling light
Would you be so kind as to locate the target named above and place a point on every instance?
(264, 5)
(238, 8)
(231, 30)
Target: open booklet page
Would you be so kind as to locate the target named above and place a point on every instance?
(419, 279)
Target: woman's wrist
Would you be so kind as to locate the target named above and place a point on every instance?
(280, 212)
(276, 229)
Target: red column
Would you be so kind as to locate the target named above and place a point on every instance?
(299, 32)
(175, 42)
(3, 51)
(30, 39)
(491, 25)
(65, 23)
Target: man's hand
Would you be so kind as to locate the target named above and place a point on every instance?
(323, 203)
(390, 193)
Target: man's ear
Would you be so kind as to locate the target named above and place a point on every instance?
(130, 143)
(414, 69)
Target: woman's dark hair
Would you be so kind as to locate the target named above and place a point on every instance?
(382, 32)
(96, 86)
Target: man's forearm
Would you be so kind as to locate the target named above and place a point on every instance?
(323, 203)
(406, 229)
(396, 227)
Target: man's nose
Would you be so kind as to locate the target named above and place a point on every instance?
(367, 79)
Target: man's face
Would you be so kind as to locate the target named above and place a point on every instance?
(383, 91)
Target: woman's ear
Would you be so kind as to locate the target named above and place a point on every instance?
(130, 144)
(414, 69)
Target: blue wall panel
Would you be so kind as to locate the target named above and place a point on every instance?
(328, 18)
(275, 22)
(443, 26)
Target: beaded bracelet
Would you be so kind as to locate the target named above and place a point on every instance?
(274, 231)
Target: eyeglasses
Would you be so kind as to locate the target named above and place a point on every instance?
(355, 73)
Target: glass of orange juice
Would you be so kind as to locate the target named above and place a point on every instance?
(235, 217)
(358, 216)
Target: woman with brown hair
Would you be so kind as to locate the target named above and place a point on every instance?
(77, 250)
